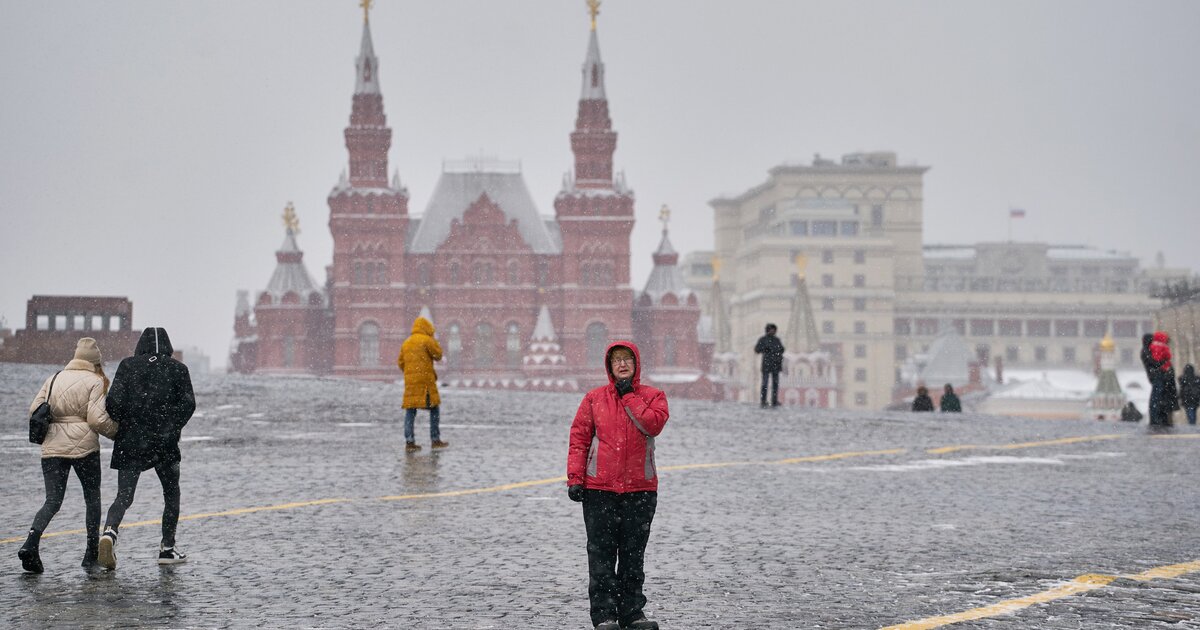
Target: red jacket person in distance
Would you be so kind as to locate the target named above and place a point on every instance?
(610, 469)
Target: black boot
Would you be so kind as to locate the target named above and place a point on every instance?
(31, 561)
(89, 554)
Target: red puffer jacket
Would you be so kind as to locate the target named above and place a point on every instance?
(1160, 350)
(607, 450)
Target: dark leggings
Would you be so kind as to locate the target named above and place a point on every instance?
(127, 481)
(55, 471)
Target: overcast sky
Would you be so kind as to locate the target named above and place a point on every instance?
(147, 149)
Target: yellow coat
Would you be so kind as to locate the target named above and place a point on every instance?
(416, 359)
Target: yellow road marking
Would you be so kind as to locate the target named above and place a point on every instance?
(826, 458)
(1080, 584)
(550, 480)
(189, 517)
(1071, 440)
(459, 493)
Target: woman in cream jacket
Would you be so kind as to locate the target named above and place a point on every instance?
(77, 401)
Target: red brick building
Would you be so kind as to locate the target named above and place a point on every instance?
(53, 323)
(519, 299)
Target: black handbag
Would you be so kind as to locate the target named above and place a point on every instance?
(40, 419)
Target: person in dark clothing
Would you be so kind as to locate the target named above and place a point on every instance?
(1168, 400)
(772, 362)
(152, 399)
(922, 401)
(950, 402)
(1130, 413)
(611, 470)
(1154, 375)
(1189, 392)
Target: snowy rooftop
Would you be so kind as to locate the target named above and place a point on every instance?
(457, 189)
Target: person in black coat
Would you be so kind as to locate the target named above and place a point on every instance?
(922, 401)
(152, 396)
(1189, 392)
(1130, 413)
(772, 362)
(1154, 375)
(950, 402)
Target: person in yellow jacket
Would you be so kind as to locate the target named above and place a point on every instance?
(416, 359)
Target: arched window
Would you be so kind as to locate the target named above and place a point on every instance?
(289, 352)
(597, 341)
(454, 277)
(368, 344)
(512, 345)
(423, 274)
(669, 350)
(357, 277)
(453, 346)
(483, 346)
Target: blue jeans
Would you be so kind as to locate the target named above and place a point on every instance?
(410, 416)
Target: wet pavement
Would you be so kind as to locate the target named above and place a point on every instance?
(798, 519)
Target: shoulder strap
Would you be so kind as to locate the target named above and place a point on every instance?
(637, 424)
(51, 388)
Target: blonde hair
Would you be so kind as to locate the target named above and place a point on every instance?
(100, 371)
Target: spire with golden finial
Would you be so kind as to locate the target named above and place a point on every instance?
(801, 265)
(664, 215)
(366, 7)
(290, 220)
(594, 10)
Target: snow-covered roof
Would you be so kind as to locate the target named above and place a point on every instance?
(457, 189)
(543, 330)
(949, 360)
(666, 277)
(1084, 253)
(1039, 390)
(952, 253)
(290, 273)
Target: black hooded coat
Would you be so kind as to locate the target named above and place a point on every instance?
(151, 396)
(1189, 388)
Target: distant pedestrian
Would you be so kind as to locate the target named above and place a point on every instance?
(152, 398)
(771, 349)
(922, 401)
(950, 402)
(1153, 375)
(1130, 413)
(1168, 402)
(1189, 392)
(610, 468)
(76, 398)
(416, 359)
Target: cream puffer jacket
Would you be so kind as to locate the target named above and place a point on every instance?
(79, 414)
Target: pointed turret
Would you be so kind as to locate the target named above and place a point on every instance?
(1106, 402)
(544, 363)
(802, 326)
(593, 141)
(666, 277)
(290, 273)
(368, 137)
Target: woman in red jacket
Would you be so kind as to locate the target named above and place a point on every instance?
(610, 468)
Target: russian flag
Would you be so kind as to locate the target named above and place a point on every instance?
(1014, 213)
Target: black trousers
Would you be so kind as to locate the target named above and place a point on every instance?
(127, 481)
(774, 378)
(55, 471)
(618, 527)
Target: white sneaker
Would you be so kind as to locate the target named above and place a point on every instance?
(170, 555)
(106, 555)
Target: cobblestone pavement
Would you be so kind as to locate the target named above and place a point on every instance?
(774, 533)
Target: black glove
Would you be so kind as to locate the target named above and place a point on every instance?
(575, 492)
(624, 386)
